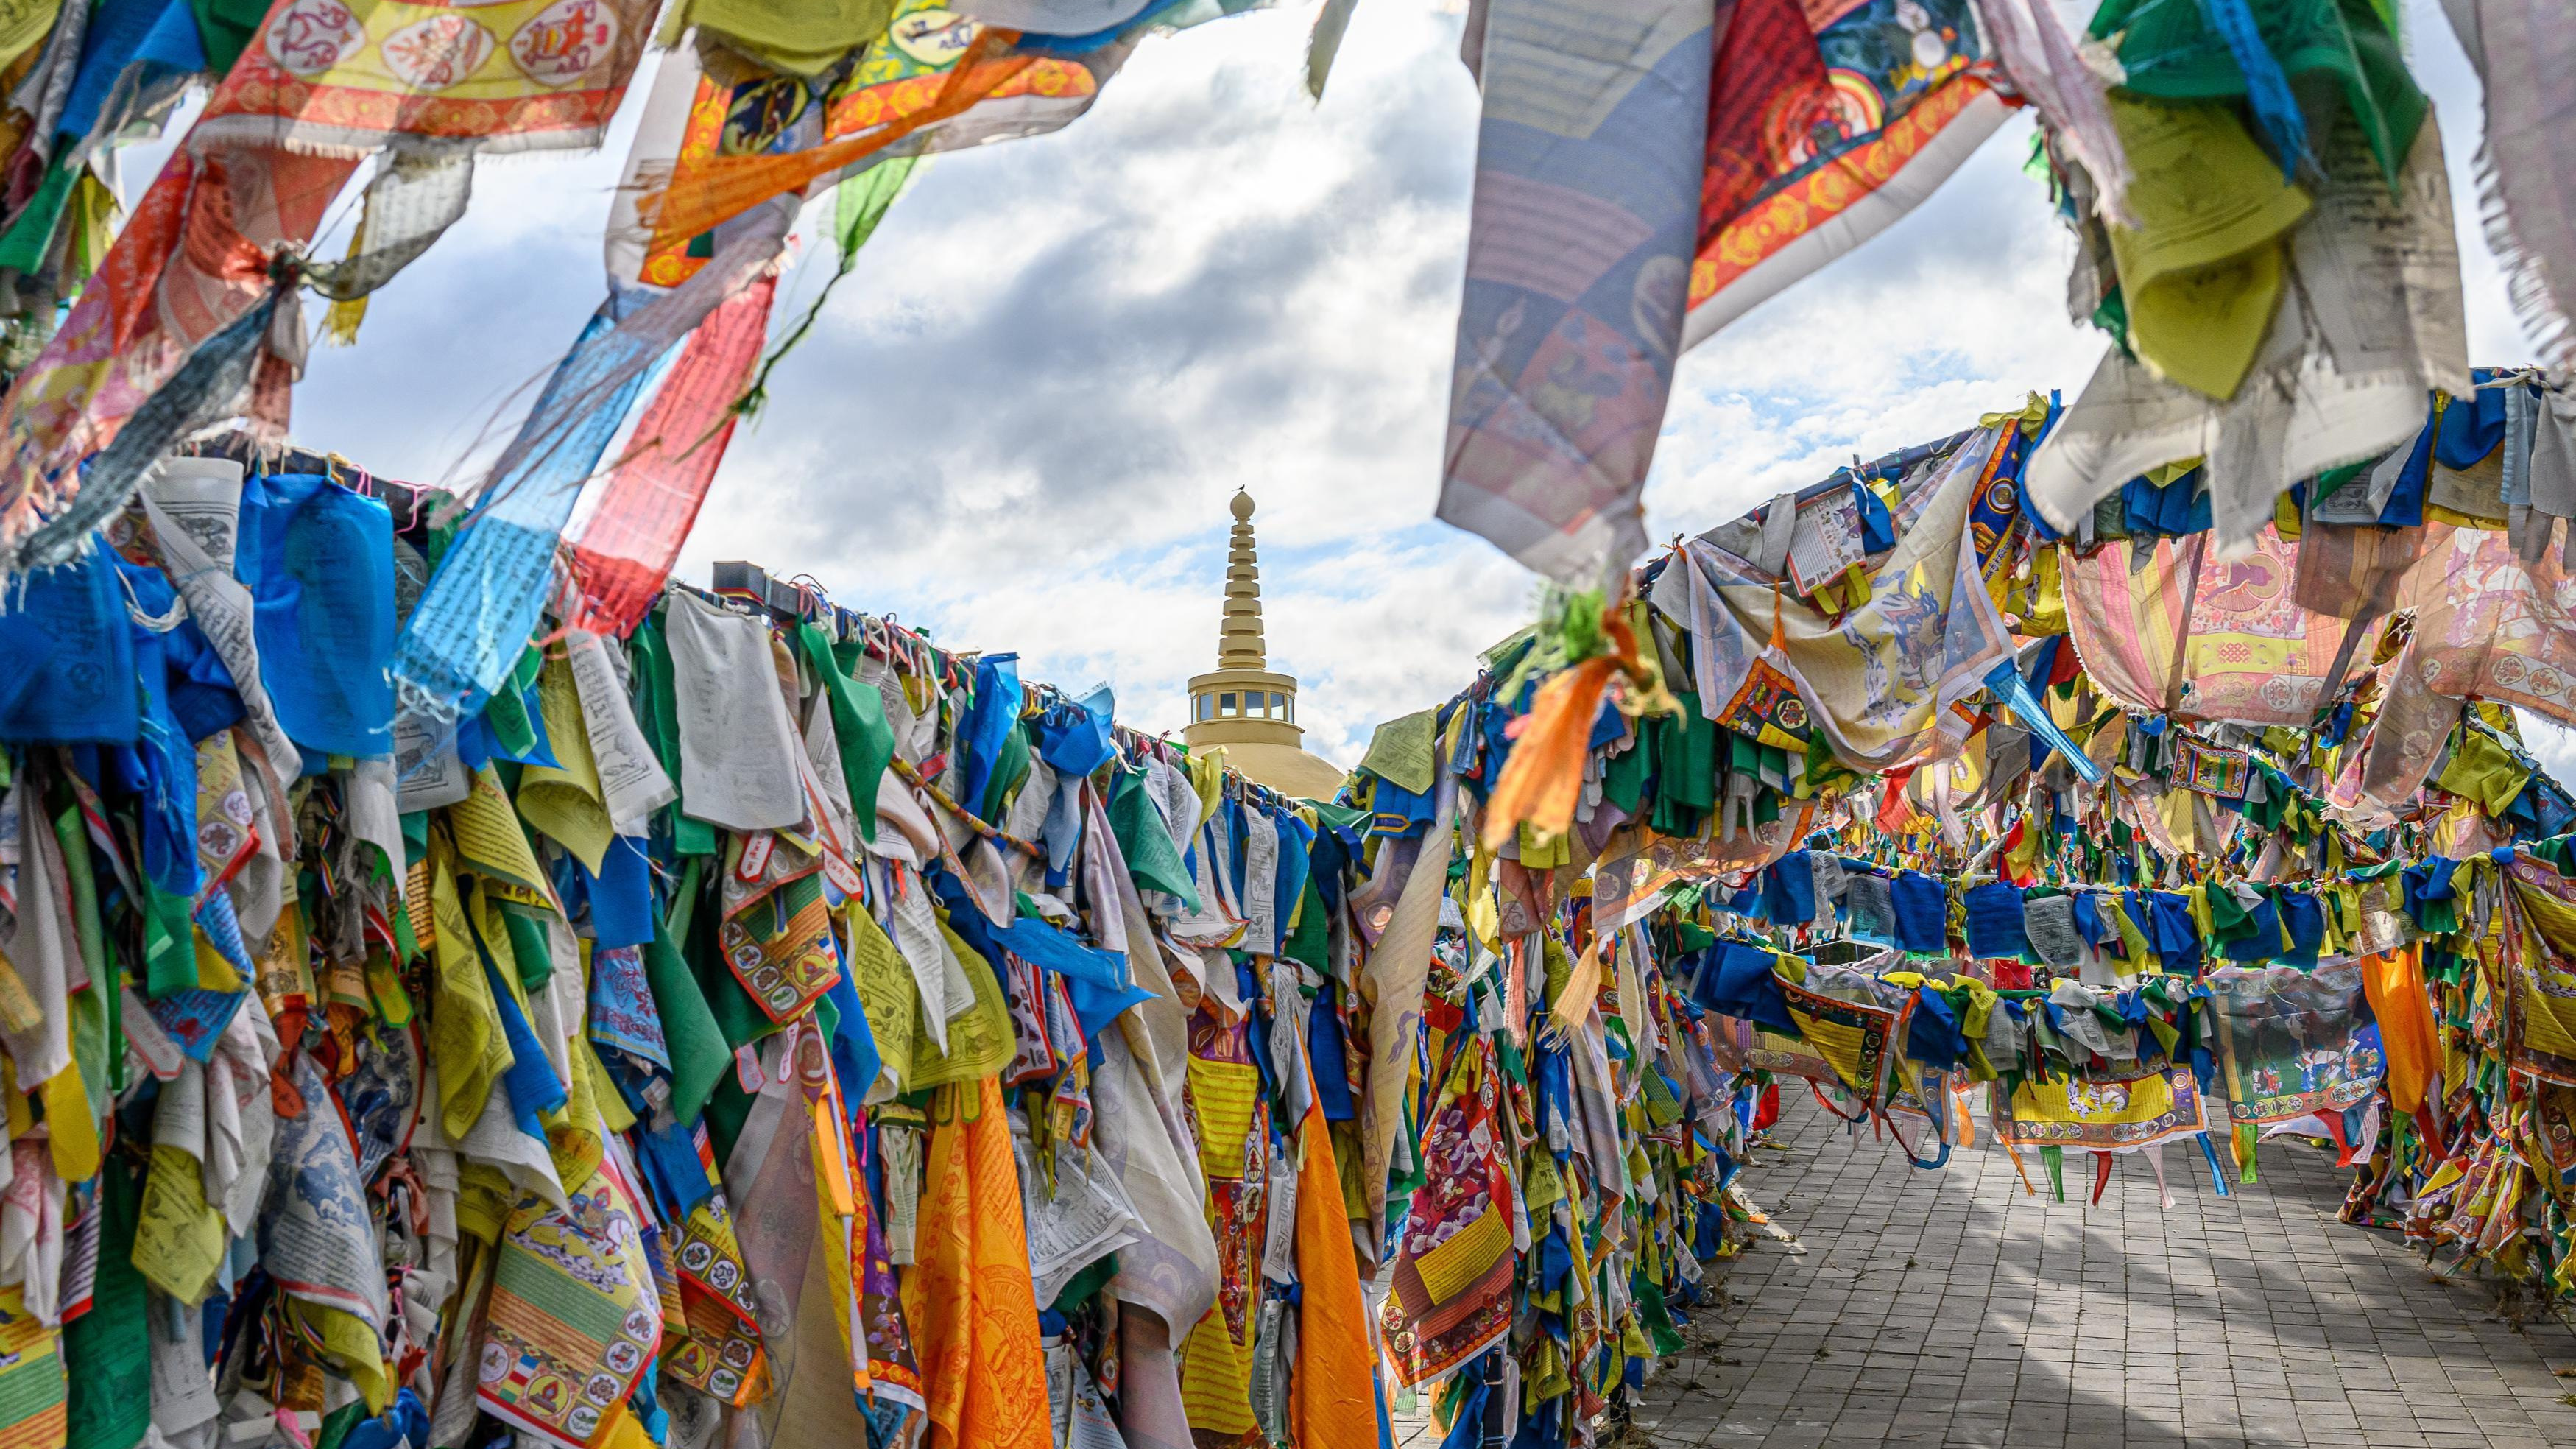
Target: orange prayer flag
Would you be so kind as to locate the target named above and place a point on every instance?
(1544, 776)
(2394, 982)
(703, 193)
(1334, 1401)
(1895, 812)
(976, 1333)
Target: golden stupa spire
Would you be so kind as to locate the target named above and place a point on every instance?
(1242, 705)
(1238, 642)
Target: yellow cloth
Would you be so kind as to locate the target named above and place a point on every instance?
(2549, 974)
(73, 1122)
(490, 843)
(18, 1009)
(214, 973)
(2047, 612)
(572, 1130)
(564, 801)
(2201, 272)
(89, 224)
(179, 1237)
(22, 24)
(465, 1037)
(1401, 751)
(573, 1311)
(2023, 854)
(886, 990)
(979, 1042)
(2103, 1116)
(2484, 771)
(350, 1345)
(1544, 852)
(1982, 1002)
(1207, 777)
(796, 37)
(1216, 1378)
(612, 1104)
(1483, 913)
(1844, 591)
(283, 969)
(2028, 417)
(1223, 1096)
(385, 988)
(483, 1198)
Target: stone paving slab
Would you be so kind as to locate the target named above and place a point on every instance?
(1951, 1308)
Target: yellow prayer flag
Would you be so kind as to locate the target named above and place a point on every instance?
(565, 801)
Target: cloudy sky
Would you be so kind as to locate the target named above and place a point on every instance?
(1021, 417)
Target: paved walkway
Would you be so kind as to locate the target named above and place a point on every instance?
(1949, 1308)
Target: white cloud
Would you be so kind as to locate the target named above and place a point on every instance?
(1021, 417)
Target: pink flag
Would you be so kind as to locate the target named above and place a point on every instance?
(652, 496)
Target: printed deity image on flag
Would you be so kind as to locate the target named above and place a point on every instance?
(1829, 120)
(1642, 188)
(2291, 1043)
(2112, 1114)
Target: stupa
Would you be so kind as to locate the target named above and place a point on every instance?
(1243, 704)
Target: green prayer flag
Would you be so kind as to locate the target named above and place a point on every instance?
(1151, 857)
(728, 1107)
(738, 1018)
(699, 1055)
(225, 28)
(337, 1424)
(169, 943)
(862, 201)
(1312, 941)
(29, 241)
(2173, 53)
(98, 1033)
(1653, 1314)
(1010, 772)
(1686, 748)
(107, 1352)
(528, 947)
(1090, 1280)
(514, 730)
(1339, 817)
(859, 722)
